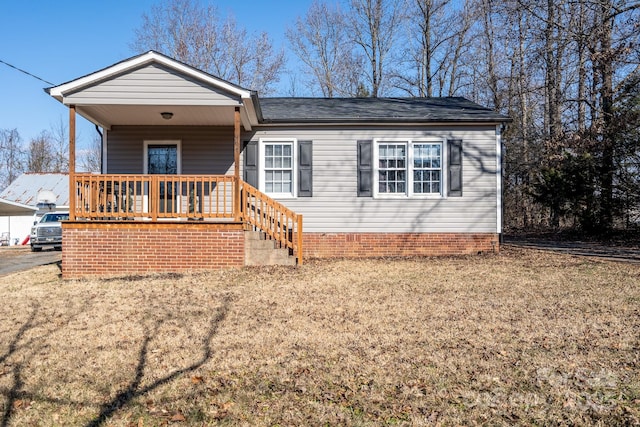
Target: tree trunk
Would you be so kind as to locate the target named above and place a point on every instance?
(605, 70)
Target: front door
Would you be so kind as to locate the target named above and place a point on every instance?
(163, 158)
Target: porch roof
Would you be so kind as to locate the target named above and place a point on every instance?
(138, 90)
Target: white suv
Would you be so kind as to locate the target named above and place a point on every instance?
(48, 231)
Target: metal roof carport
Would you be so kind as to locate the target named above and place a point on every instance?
(9, 208)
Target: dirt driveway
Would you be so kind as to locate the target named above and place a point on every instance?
(17, 258)
(627, 253)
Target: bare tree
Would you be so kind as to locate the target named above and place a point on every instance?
(40, 153)
(491, 50)
(437, 38)
(606, 53)
(59, 141)
(321, 42)
(523, 147)
(375, 25)
(577, 60)
(91, 157)
(11, 156)
(196, 35)
(459, 51)
(579, 23)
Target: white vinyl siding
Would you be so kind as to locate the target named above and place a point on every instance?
(336, 208)
(151, 85)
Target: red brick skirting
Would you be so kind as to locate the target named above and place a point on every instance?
(125, 248)
(103, 248)
(373, 245)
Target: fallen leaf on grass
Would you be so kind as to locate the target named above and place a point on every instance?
(178, 417)
(197, 380)
(222, 410)
(18, 404)
(139, 423)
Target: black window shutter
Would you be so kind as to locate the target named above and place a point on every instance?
(305, 169)
(365, 168)
(251, 163)
(455, 168)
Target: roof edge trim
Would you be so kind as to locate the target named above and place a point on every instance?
(18, 205)
(387, 121)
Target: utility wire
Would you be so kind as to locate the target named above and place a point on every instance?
(26, 72)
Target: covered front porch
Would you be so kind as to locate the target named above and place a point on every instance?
(213, 199)
(155, 173)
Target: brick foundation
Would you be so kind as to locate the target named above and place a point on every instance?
(104, 249)
(122, 248)
(372, 245)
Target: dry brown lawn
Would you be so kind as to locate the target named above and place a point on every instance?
(524, 337)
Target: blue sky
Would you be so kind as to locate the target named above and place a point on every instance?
(62, 40)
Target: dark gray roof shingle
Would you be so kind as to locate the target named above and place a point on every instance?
(382, 110)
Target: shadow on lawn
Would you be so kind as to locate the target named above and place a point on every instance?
(13, 393)
(134, 388)
(15, 396)
(29, 341)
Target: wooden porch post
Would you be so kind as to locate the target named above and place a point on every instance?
(299, 244)
(236, 162)
(72, 162)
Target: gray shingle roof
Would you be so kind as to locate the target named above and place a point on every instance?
(378, 110)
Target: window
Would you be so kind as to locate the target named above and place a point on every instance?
(55, 217)
(162, 157)
(427, 168)
(392, 168)
(408, 168)
(279, 167)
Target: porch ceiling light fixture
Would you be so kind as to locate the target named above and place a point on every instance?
(166, 115)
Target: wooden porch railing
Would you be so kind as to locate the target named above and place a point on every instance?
(278, 222)
(195, 197)
(154, 196)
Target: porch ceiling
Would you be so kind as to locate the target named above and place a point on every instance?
(141, 115)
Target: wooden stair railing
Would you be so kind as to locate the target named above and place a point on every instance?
(278, 222)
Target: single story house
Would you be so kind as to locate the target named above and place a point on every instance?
(196, 170)
(27, 196)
